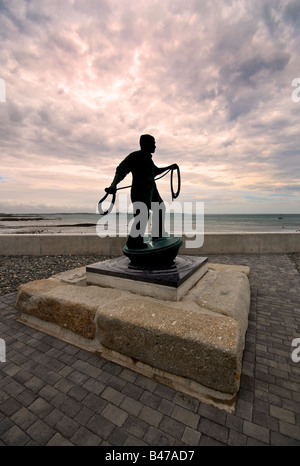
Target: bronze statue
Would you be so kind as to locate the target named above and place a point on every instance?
(143, 188)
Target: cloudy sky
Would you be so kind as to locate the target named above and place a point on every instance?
(211, 80)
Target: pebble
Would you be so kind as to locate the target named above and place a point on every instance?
(16, 270)
(295, 258)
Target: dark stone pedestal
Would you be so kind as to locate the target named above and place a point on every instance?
(169, 283)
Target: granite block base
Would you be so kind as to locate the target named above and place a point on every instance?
(194, 345)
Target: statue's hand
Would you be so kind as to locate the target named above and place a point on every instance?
(111, 190)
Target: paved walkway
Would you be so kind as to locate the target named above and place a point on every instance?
(52, 393)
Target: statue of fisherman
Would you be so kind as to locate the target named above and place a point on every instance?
(143, 189)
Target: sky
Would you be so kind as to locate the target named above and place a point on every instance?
(217, 83)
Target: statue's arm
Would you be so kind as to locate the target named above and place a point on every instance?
(121, 171)
(159, 171)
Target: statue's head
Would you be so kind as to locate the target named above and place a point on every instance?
(147, 143)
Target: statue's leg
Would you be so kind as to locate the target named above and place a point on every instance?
(158, 215)
(140, 220)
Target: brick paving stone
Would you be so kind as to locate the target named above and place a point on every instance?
(84, 437)
(112, 395)
(244, 409)
(156, 437)
(264, 420)
(114, 414)
(67, 426)
(290, 430)
(186, 417)
(64, 385)
(114, 369)
(77, 392)
(104, 377)
(172, 427)
(256, 431)
(132, 390)
(52, 418)
(70, 407)
(214, 430)
(145, 383)
(207, 441)
(136, 427)
(165, 392)
(40, 432)
(84, 415)
(117, 383)
(5, 425)
(191, 436)
(236, 439)
(35, 384)
(94, 403)
(92, 385)
(48, 392)
(78, 377)
(118, 437)
(100, 426)
(26, 397)
(213, 413)
(22, 376)
(280, 391)
(53, 393)
(40, 407)
(131, 406)
(151, 416)
(234, 422)
(59, 441)
(15, 437)
(24, 418)
(166, 407)
(134, 442)
(128, 375)
(150, 399)
(186, 401)
(283, 441)
(9, 406)
(283, 414)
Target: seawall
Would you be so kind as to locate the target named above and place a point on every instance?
(214, 243)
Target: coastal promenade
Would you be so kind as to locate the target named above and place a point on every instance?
(213, 243)
(53, 393)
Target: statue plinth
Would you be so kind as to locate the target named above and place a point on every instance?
(170, 282)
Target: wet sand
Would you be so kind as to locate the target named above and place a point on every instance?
(41, 224)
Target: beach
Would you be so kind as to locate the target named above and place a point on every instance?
(89, 223)
(15, 270)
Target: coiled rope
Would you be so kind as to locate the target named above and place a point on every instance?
(113, 200)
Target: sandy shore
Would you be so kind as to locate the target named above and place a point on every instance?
(29, 224)
(49, 230)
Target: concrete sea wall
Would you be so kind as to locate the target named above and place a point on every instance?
(214, 243)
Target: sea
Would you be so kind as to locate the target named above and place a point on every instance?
(89, 223)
